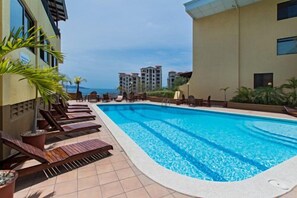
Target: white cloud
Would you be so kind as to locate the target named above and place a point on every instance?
(104, 37)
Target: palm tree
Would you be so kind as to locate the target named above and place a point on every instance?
(77, 80)
(45, 80)
(225, 92)
(292, 95)
(243, 94)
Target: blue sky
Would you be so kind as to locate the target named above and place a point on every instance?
(104, 37)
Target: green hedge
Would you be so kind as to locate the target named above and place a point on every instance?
(162, 93)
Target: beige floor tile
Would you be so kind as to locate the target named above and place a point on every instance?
(68, 176)
(131, 183)
(47, 191)
(70, 195)
(145, 180)
(104, 168)
(156, 190)
(120, 196)
(103, 161)
(90, 193)
(125, 173)
(21, 193)
(66, 188)
(141, 193)
(170, 190)
(86, 172)
(130, 163)
(136, 170)
(111, 189)
(88, 182)
(120, 165)
(47, 182)
(180, 195)
(108, 177)
(117, 158)
(168, 196)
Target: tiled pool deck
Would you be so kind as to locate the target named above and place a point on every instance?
(115, 176)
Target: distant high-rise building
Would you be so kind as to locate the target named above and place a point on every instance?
(171, 77)
(151, 78)
(129, 82)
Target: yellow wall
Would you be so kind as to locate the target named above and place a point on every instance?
(15, 91)
(229, 47)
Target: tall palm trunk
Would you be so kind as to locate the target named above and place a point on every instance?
(77, 88)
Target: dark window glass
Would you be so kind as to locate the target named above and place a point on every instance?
(287, 46)
(263, 80)
(45, 56)
(287, 10)
(41, 51)
(20, 18)
(16, 15)
(28, 24)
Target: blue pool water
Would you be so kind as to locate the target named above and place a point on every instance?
(206, 145)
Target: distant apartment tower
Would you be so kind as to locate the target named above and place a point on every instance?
(129, 82)
(151, 78)
(171, 77)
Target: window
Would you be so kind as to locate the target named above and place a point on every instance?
(287, 10)
(16, 15)
(45, 56)
(20, 18)
(263, 80)
(287, 46)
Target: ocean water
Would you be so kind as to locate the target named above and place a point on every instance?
(86, 91)
(206, 145)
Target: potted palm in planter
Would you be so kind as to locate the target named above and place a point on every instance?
(45, 80)
(77, 80)
(7, 183)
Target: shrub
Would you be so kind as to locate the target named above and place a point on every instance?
(244, 95)
(162, 93)
(269, 95)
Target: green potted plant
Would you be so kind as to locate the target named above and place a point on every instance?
(45, 80)
(7, 183)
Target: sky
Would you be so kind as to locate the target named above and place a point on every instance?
(102, 38)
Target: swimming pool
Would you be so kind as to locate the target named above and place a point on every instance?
(206, 145)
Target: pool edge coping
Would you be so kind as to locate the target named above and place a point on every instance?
(252, 187)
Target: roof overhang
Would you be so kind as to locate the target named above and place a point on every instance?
(202, 8)
(58, 9)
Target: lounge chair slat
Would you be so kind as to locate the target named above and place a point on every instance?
(60, 156)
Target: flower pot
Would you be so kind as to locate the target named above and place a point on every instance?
(35, 139)
(7, 188)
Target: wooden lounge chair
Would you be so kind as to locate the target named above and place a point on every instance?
(291, 111)
(59, 129)
(55, 159)
(206, 102)
(76, 109)
(191, 101)
(66, 104)
(106, 98)
(71, 116)
(93, 97)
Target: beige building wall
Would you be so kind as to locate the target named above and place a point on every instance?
(16, 105)
(229, 47)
